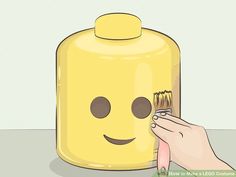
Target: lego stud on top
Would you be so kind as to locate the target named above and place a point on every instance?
(118, 26)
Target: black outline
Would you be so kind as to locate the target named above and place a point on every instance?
(181, 134)
(165, 36)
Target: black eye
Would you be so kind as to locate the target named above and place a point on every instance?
(100, 107)
(141, 107)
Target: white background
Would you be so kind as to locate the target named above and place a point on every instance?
(30, 31)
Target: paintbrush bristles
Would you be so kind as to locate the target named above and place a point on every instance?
(162, 100)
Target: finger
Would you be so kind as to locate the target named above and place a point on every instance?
(173, 119)
(163, 158)
(169, 124)
(162, 133)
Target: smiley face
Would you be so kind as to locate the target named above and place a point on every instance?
(104, 98)
(101, 107)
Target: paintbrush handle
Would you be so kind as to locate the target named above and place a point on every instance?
(163, 158)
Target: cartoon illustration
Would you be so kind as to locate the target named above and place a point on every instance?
(117, 88)
(181, 142)
(106, 79)
(118, 85)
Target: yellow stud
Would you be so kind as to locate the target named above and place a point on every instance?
(118, 26)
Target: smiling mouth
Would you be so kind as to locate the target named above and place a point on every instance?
(118, 141)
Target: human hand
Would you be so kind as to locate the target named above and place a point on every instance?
(189, 144)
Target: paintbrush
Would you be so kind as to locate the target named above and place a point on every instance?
(163, 105)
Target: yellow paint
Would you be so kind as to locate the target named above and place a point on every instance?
(107, 26)
(121, 67)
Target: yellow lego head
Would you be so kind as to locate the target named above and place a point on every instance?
(106, 77)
